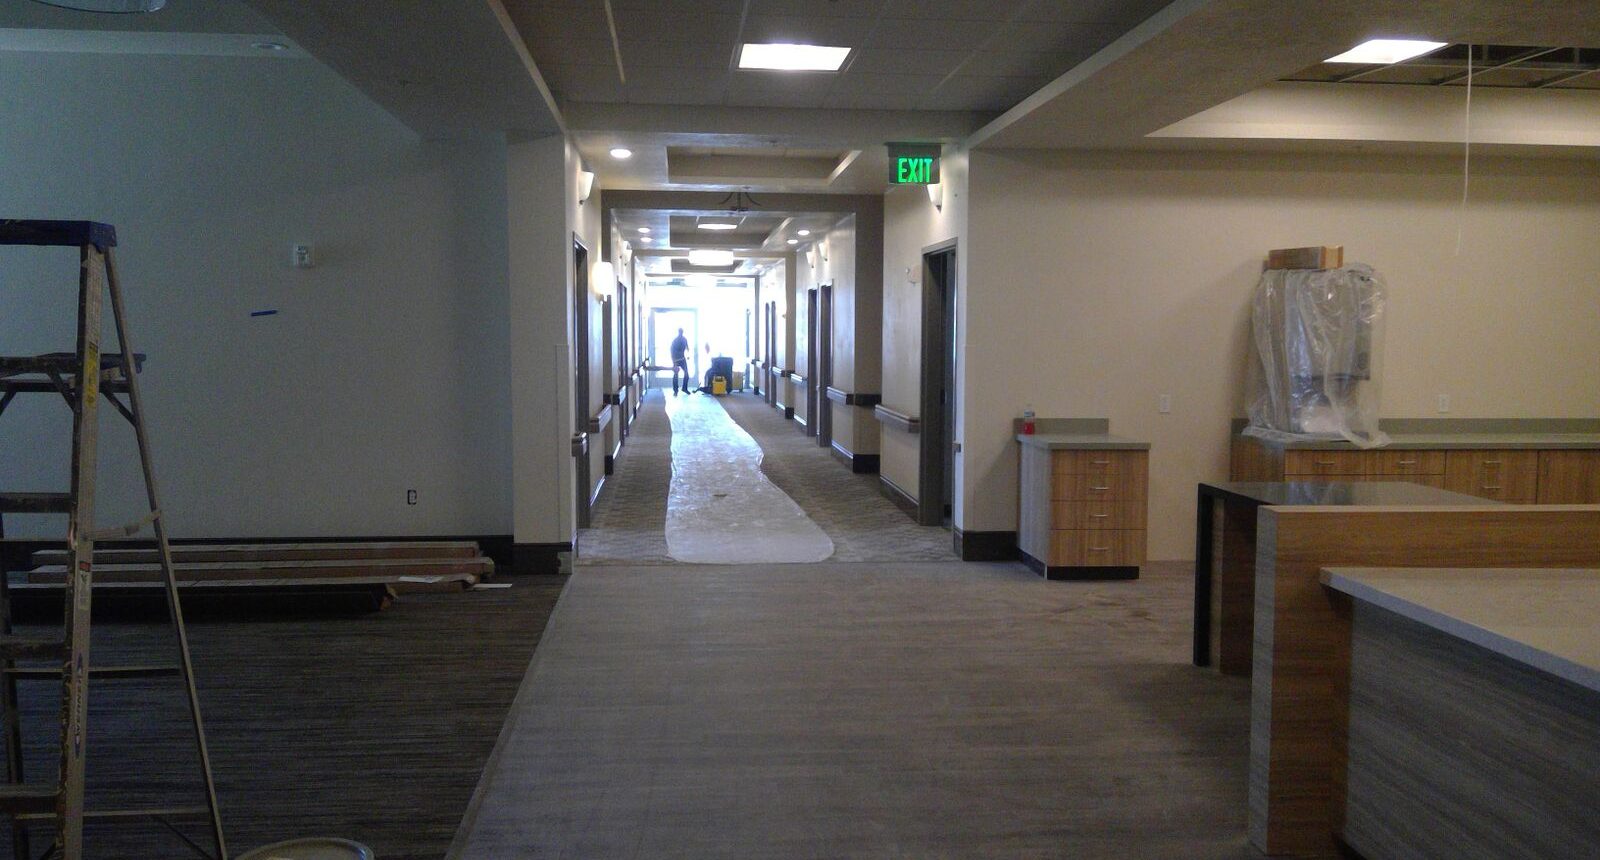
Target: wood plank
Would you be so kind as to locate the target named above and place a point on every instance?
(1096, 515)
(1252, 461)
(274, 552)
(1300, 465)
(1291, 747)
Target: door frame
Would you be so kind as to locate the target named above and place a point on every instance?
(580, 375)
(936, 459)
(823, 417)
(812, 376)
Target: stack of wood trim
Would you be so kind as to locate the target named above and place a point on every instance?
(404, 566)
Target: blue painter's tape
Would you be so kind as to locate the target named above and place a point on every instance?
(263, 313)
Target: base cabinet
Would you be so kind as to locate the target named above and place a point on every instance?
(1084, 513)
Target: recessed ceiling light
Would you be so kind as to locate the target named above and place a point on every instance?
(645, 239)
(792, 58)
(794, 241)
(621, 152)
(804, 232)
(1386, 51)
(717, 225)
(707, 257)
(644, 229)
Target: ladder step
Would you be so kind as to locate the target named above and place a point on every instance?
(108, 673)
(35, 503)
(31, 648)
(66, 364)
(21, 800)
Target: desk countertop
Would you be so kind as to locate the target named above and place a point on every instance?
(1082, 442)
(1344, 493)
(1547, 619)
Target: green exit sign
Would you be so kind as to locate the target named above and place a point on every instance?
(913, 164)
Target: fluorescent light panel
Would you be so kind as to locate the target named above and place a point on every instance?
(792, 58)
(1386, 51)
(707, 257)
(717, 225)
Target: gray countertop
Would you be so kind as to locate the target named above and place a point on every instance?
(1376, 493)
(1417, 441)
(1082, 442)
(1548, 619)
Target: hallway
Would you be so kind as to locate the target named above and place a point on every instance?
(629, 520)
(874, 708)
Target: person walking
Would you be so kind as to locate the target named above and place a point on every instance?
(680, 361)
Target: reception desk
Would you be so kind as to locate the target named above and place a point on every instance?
(1468, 724)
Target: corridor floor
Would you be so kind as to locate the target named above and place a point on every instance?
(629, 521)
(855, 708)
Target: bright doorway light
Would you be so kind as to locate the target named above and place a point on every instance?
(621, 152)
(708, 257)
(644, 230)
(1386, 51)
(792, 58)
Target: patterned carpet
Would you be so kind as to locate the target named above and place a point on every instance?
(629, 518)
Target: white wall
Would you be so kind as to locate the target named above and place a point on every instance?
(912, 223)
(1100, 281)
(384, 368)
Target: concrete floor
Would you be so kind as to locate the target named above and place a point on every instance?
(869, 709)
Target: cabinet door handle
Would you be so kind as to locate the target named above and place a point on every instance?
(1099, 462)
(1491, 462)
(1327, 462)
(1099, 549)
(1494, 487)
(1408, 462)
(1098, 516)
(1099, 489)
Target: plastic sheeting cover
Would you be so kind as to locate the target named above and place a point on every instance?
(721, 509)
(1318, 344)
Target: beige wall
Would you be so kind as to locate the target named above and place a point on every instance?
(1099, 282)
(911, 223)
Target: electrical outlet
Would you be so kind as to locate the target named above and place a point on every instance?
(1444, 403)
(300, 256)
(411, 497)
(1164, 404)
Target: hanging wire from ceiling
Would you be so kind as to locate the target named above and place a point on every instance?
(1466, 158)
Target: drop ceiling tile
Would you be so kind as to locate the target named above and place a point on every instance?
(818, 8)
(642, 25)
(677, 55)
(777, 89)
(847, 32)
(1127, 12)
(1006, 64)
(933, 34)
(537, 20)
(1045, 36)
(572, 52)
(908, 85)
(685, 8)
(906, 61)
(672, 87)
(588, 84)
(959, 10)
(872, 101)
(982, 93)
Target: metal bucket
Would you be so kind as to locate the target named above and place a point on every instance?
(311, 849)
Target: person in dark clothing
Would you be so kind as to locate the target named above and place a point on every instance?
(680, 361)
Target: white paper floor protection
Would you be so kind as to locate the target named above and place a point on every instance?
(721, 508)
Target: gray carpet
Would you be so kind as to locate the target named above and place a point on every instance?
(628, 521)
(868, 710)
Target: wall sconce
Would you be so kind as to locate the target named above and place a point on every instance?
(585, 185)
(936, 195)
(603, 279)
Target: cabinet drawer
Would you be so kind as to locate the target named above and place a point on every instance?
(1097, 462)
(1506, 476)
(1098, 515)
(1315, 463)
(1569, 477)
(1126, 486)
(1108, 548)
(1411, 462)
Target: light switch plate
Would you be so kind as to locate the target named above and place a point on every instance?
(1164, 404)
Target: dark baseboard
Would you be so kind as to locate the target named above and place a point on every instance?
(611, 464)
(788, 413)
(1075, 572)
(894, 493)
(539, 558)
(985, 546)
(15, 554)
(861, 464)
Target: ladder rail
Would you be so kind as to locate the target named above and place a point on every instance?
(174, 602)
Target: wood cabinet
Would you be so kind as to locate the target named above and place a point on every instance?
(1516, 476)
(1505, 476)
(1569, 477)
(1084, 512)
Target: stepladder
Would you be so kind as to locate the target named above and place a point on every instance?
(93, 374)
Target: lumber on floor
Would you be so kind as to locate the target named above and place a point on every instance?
(183, 553)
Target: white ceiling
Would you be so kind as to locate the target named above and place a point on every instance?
(949, 55)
